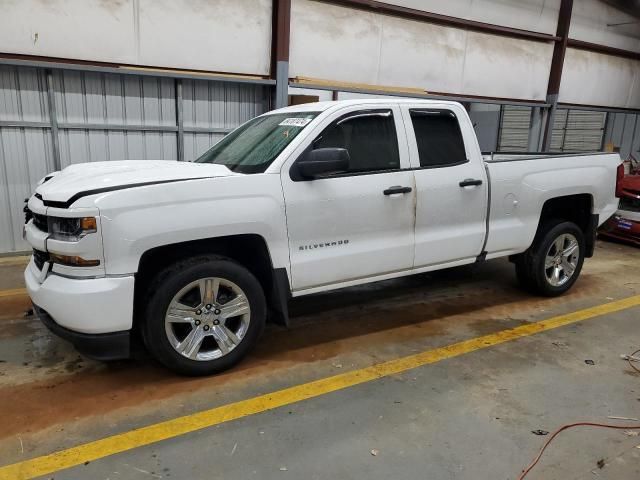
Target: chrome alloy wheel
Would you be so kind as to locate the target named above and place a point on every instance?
(562, 259)
(207, 319)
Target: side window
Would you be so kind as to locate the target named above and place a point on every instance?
(439, 138)
(369, 137)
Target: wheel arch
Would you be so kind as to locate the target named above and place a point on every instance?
(576, 208)
(249, 250)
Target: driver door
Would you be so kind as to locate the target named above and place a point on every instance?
(357, 224)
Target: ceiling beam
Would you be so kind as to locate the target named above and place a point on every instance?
(604, 49)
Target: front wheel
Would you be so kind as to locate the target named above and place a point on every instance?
(203, 315)
(553, 263)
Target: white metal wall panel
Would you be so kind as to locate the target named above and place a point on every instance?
(83, 29)
(514, 128)
(536, 15)
(212, 35)
(590, 78)
(597, 22)
(338, 43)
(497, 66)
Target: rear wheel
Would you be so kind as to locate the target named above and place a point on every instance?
(203, 315)
(553, 262)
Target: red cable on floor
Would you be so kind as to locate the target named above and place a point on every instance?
(565, 427)
(632, 358)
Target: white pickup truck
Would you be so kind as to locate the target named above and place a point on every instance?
(194, 257)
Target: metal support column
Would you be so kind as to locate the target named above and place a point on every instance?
(499, 129)
(550, 119)
(555, 74)
(53, 120)
(282, 84)
(281, 26)
(535, 129)
(179, 120)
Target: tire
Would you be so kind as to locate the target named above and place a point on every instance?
(543, 269)
(220, 316)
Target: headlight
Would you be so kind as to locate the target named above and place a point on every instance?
(71, 229)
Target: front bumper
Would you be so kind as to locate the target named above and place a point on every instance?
(99, 346)
(85, 305)
(95, 314)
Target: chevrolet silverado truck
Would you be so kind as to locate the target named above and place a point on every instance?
(190, 259)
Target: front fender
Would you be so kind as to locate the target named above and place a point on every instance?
(137, 220)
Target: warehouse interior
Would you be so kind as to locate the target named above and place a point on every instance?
(452, 374)
(94, 81)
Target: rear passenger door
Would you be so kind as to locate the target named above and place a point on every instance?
(450, 182)
(358, 223)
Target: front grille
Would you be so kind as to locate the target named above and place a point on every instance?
(39, 258)
(28, 214)
(40, 222)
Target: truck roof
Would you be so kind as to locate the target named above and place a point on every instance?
(322, 106)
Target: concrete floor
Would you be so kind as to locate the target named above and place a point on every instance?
(469, 417)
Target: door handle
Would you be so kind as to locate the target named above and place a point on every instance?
(470, 182)
(396, 189)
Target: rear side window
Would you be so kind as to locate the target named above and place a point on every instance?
(439, 138)
(369, 137)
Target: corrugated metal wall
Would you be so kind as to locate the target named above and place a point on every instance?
(85, 99)
(514, 128)
(623, 132)
(573, 130)
(577, 131)
(211, 109)
(25, 152)
(102, 116)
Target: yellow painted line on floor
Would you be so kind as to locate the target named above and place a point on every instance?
(13, 292)
(179, 426)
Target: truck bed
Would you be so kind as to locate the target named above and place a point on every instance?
(520, 184)
(493, 157)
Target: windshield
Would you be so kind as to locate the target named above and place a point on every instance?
(252, 147)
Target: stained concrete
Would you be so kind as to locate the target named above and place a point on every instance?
(467, 417)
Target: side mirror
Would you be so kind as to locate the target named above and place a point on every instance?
(323, 161)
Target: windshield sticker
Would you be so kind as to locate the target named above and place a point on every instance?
(295, 122)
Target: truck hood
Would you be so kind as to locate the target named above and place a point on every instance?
(97, 177)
